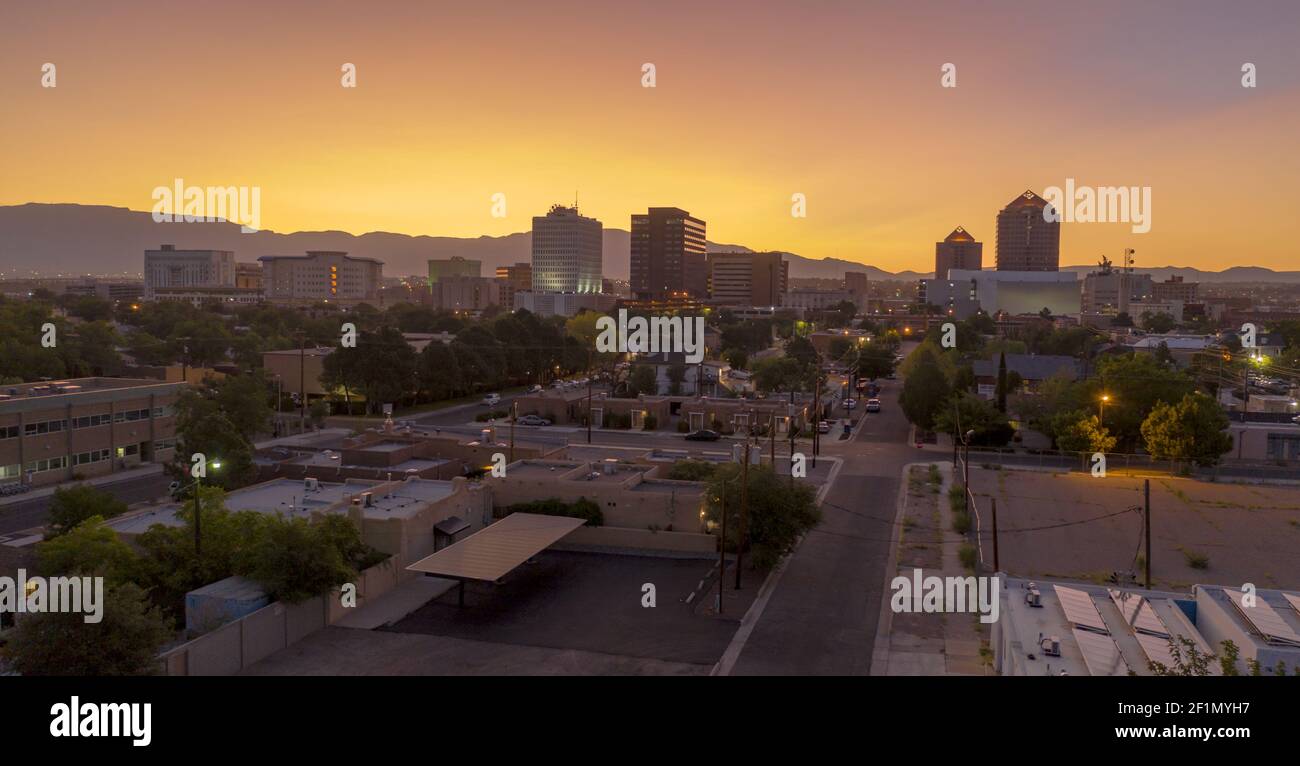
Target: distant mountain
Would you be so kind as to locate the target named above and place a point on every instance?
(97, 239)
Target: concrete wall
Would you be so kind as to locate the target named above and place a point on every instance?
(675, 508)
(239, 644)
(687, 544)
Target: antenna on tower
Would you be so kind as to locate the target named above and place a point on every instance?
(575, 200)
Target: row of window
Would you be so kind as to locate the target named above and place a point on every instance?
(94, 456)
(48, 464)
(86, 421)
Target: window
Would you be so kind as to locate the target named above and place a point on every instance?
(11, 471)
(94, 456)
(44, 427)
(92, 421)
(50, 464)
(8, 432)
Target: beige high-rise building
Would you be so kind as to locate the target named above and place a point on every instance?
(747, 279)
(958, 250)
(513, 279)
(1026, 240)
(168, 267)
(669, 255)
(567, 252)
(321, 275)
(466, 294)
(454, 266)
(1175, 289)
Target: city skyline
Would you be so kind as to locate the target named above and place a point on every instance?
(853, 116)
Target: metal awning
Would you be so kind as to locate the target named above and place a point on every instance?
(492, 552)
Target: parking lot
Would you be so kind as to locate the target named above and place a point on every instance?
(1202, 532)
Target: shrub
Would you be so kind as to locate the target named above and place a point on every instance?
(692, 470)
(683, 427)
(649, 423)
(968, 555)
(961, 522)
(1196, 559)
(584, 509)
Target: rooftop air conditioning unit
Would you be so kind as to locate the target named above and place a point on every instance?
(367, 499)
(1034, 598)
(311, 484)
(1051, 646)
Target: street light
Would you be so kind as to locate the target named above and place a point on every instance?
(196, 484)
(1101, 409)
(966, 469)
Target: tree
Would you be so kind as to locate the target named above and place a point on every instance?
(246, 401)
(643, 380)
(966, 412)
(677, 374)
(70, 506)
(778, 514)
(1002, 383)
(925, 390)
(1081, 432)
(1158, 323)
(736, 357)
(876, 360)
(216, 438)
(294, 560)
(1193, 429)
(802, 350)
(92, 549)
(1135, 384)
(124, 642)
(781, 373)
(439, 372)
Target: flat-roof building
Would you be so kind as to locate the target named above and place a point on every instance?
(321, 275)
(84, 427)
(169, 267)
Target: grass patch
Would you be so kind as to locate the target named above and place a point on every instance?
(968, 555)
(961, 522)
(1196, 559)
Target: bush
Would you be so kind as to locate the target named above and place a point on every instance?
(683, 427)
(649, 423)
(779, 513)
(968, 555)
(584, 509)
(692, 470)
(69, 506)
(961, 522)
(1196, 559)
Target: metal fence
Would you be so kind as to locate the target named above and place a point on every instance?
(1130, 464)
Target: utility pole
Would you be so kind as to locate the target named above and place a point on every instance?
(197, 531)
(817, 417)
(722, 547)
(1146, 533)
(744, 508)
(771, 427)
(302, 382)
(589, 375)
(996, 567)
(514, 412)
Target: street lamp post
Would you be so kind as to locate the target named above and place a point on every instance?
(966, 469)
(198, 529)
(1101, 409)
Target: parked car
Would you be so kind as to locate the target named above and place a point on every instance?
(873, 405)
(491, 400)
(824, 427)
(533, 420)
(703, 435)
(536, 390)
(850, 403)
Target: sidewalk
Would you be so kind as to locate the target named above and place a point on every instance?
(926, 644)
(149, 469)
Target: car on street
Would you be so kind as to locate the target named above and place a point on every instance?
(873, 405)
(532, 420)
(536, 390)
(703, 435)
(824, 427)
(850, 403)
(491, 400)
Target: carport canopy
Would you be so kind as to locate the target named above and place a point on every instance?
(497, 549)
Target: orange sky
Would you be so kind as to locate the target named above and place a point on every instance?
(755, 101)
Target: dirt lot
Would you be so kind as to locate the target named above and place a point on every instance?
(1202, 532)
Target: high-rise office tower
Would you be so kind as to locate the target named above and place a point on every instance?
(669, 256)
(169, 267)
(958, 250)
(566, 252)
(454, 266)
(514, 279)
(1026, 241)
(747, 279)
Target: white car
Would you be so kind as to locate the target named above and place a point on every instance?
(491, 400)
(873, 405)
